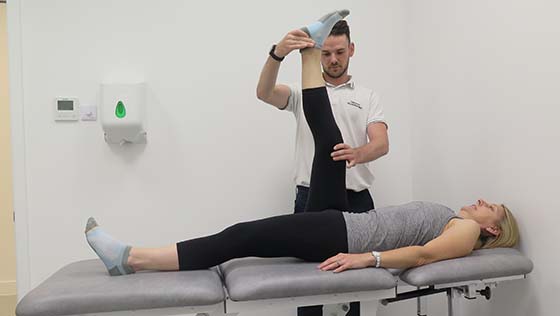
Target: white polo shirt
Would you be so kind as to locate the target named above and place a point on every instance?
(354, 108)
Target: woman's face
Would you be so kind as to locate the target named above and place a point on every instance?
(487, 215)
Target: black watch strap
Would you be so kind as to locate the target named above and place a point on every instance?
(273, 55)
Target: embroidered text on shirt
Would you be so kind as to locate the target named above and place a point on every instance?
(354, 103)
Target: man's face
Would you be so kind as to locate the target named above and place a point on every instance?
(335, 55)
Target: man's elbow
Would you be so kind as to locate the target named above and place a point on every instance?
(262, 95)
(385, 149)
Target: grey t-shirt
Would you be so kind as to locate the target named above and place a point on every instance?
(414, 223)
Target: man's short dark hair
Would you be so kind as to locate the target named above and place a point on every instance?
(341, 28)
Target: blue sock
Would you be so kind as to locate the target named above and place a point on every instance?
(321, 29)
(112, 252)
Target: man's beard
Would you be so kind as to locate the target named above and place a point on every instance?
(326, 70)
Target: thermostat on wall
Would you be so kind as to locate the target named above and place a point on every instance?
(66, 109)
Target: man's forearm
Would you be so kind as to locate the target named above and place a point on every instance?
(267, 89)
(371, 151)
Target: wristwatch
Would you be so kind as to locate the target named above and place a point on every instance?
(377, 257)
(273, 55)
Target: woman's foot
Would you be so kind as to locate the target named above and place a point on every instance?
(321, 29)
(112, 252)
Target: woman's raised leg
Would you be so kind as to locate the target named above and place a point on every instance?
(327, 188)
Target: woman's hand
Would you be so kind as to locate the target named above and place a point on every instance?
(345, 261)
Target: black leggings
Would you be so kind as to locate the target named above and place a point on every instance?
(311, 236)
(327, 187)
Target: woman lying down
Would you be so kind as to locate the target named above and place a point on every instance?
(400, 236)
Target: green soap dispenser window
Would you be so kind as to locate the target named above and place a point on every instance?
(120, 110)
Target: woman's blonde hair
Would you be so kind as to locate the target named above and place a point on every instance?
(509, 235)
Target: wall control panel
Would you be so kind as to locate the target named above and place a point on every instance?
(66, 109)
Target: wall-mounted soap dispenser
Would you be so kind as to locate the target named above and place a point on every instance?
(123, 113)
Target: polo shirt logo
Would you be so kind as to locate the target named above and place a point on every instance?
(354, 103)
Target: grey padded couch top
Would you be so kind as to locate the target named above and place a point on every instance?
(480, 264)
(250, 279)
(86, 287)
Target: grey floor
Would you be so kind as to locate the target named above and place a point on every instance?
(7, 305)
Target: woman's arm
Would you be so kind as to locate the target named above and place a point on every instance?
(457, 241)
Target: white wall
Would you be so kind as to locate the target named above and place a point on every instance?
(485, 108)
(215, 155)
(482, 78)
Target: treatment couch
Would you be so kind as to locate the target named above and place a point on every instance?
(85, 288)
